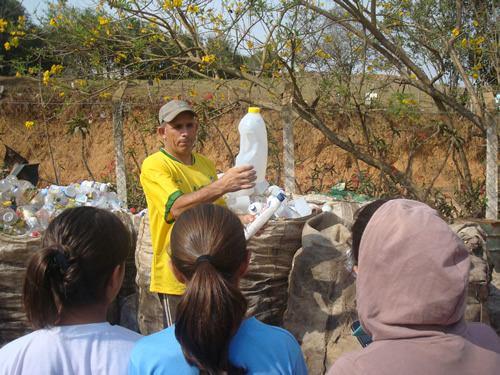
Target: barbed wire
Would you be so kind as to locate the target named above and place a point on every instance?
(110, 104)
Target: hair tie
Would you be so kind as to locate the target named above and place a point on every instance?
(203, 258)
(61, 261)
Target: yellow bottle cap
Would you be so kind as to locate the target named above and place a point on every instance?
(253, 110)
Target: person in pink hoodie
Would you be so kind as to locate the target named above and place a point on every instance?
(411, 292)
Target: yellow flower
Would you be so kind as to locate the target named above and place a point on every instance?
(208, 59)
(480, 40)
(193, 9)
(46, 77)
(408, 102)
(478, 66)
(239, 7)
(56, 69)
(32, 70)
(169, 4)
(322, 54)
(14, 42)
(102, 20)
(3, 25)
(413, 76)
(328, 39)
(463, 43)
(249, 44)
(53, 22)
(18, 74)
(62, 94)
(80, 82)
(455, 32)
(6, 45)
(192, 92)
(105, 95)
(29, 124)
(244, 69)
(475, 23)
(119, 57)
(166, 98)
(475, 75)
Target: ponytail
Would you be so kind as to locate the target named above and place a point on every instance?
(209, 314)
(43, 292)
(212, 307)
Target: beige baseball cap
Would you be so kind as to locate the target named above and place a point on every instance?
(170, 110)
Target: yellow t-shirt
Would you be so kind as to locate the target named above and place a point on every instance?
(164, 179)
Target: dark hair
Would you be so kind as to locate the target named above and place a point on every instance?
(208, 248)
(361, 219)
(81, 248)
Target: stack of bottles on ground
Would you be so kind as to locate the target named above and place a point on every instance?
(26, 210)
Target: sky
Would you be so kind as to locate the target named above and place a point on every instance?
(39, 6)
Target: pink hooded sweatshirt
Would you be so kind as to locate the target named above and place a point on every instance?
(411, 294)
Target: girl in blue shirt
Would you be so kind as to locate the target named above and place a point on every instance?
(211, 334)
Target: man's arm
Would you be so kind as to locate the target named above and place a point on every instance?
(234, 179)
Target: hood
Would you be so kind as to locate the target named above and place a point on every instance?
(413, 272)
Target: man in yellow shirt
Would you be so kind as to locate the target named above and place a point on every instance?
(175, 179)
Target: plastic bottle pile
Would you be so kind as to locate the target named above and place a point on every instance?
(272, 204)
(26, 210)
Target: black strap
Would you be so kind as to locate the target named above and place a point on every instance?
(203, 258)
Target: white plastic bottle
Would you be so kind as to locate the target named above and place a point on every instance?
(253, 148)
(8, 216)
(265, 215)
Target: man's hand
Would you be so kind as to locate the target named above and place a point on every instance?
(238, 178)
(234, 179)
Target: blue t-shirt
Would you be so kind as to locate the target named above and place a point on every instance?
(257, 347)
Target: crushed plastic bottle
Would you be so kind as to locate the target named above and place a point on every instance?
(8, 216)
(256, 208)
(27, 210)
(274, 203)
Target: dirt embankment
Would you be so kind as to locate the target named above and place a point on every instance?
(319, 164)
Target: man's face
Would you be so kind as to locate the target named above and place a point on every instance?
(179, 135)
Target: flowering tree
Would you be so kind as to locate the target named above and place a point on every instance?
(436, 47)
(300, 55)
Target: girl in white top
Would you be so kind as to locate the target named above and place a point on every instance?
(68, 288)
